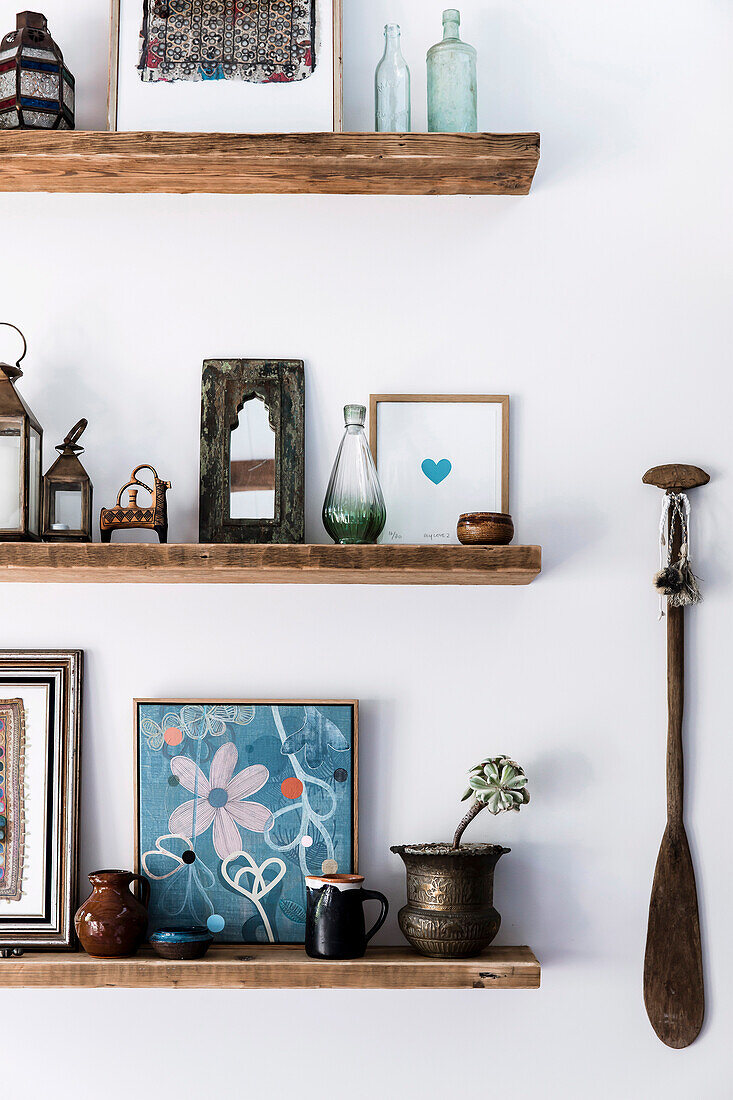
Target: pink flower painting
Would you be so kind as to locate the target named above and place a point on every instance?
(220, 800)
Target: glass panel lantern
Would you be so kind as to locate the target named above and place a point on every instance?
(67, 494)
(36, 88)
(21, 446)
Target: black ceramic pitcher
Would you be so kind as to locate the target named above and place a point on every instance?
(334, 924)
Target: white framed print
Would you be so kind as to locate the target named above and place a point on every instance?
(40, 731)
(437, 456)
(233, 66)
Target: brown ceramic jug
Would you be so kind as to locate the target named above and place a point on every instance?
(112, 923)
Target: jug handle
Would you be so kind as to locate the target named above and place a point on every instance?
(374, 895)
(144, 889)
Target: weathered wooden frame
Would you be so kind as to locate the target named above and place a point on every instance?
(338, 66)
(225, 387)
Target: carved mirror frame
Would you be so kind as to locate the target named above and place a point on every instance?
(227, 384)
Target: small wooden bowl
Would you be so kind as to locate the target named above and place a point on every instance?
(485, 529)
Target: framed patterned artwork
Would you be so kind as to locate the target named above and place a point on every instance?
(40, 730)
(437, 456)
(236, 802)
(238, 66)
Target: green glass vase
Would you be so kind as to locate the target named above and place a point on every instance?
(354, 511)
(452, 95)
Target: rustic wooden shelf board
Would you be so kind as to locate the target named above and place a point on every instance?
(276, 968)
(230, 564)
(280, 164)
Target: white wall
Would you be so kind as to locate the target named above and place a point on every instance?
(602, 304)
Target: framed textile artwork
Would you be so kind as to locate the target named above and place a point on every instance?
(40, 729)
(437, 456)
(239, 66)
(236, 803)
(252, 486)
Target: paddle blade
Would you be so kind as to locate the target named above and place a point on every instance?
(673, 983)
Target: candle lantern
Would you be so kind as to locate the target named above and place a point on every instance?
(21, 440)
(36, 88)
(67, 494)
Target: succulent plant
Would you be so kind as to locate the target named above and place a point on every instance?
(497, 784)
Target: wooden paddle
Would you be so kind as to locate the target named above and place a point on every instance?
(674, 994)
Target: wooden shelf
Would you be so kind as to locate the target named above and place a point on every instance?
(122, 563)
(281, 164)
(276, 968)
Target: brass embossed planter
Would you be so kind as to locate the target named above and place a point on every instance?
(450, 894)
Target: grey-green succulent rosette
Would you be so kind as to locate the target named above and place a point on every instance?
(499, 784)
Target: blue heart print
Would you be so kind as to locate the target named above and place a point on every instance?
(436, 471)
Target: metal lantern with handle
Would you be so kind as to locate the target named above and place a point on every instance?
(67, 494)
(21, 441)
(36, 88)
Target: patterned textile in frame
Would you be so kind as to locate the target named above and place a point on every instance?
(260, 41)
(237, 803)
(12, 814)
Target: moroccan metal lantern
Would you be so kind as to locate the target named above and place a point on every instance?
(36, 88)
(21, 442)
(67, 494)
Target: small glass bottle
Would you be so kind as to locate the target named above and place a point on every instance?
(392, 87)
(354, 511)
(452, 97)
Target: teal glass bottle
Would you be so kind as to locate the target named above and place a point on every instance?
(392, 87)
(354, 511)
(452, 94)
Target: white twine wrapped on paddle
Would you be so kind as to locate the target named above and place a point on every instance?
(675, 579)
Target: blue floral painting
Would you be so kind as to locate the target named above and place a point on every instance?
(237, 802)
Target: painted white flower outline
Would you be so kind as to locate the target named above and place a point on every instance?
(219, 801)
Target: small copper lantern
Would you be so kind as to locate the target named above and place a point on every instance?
(36, 88)
(67, 494)
(21, 440)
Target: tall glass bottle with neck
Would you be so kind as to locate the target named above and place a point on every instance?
(354, 511)
(392, 87)
(452, 95)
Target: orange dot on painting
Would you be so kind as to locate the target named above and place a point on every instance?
(173, 736)
(291, 788)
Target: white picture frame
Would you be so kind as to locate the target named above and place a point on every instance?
(438, 456)
(43, 806)
(224, 106)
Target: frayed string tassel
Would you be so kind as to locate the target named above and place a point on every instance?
(675, 580)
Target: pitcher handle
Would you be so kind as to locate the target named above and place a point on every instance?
(144, 889)
(374, 895)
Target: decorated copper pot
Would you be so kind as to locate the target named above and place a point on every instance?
(450, 898)
(112, 923)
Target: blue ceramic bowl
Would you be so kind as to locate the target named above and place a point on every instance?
(182, 943)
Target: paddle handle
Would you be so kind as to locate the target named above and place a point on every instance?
(675, 697)
(675, 710)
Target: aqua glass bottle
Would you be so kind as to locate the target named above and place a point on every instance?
(392, 87)
(452, 96)
(354, 511)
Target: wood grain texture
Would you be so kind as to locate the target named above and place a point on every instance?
(280, 164)
(247, 967)
(676, 477)
(271, 564)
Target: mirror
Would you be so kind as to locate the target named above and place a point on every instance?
(252, 464)
(252, 479)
